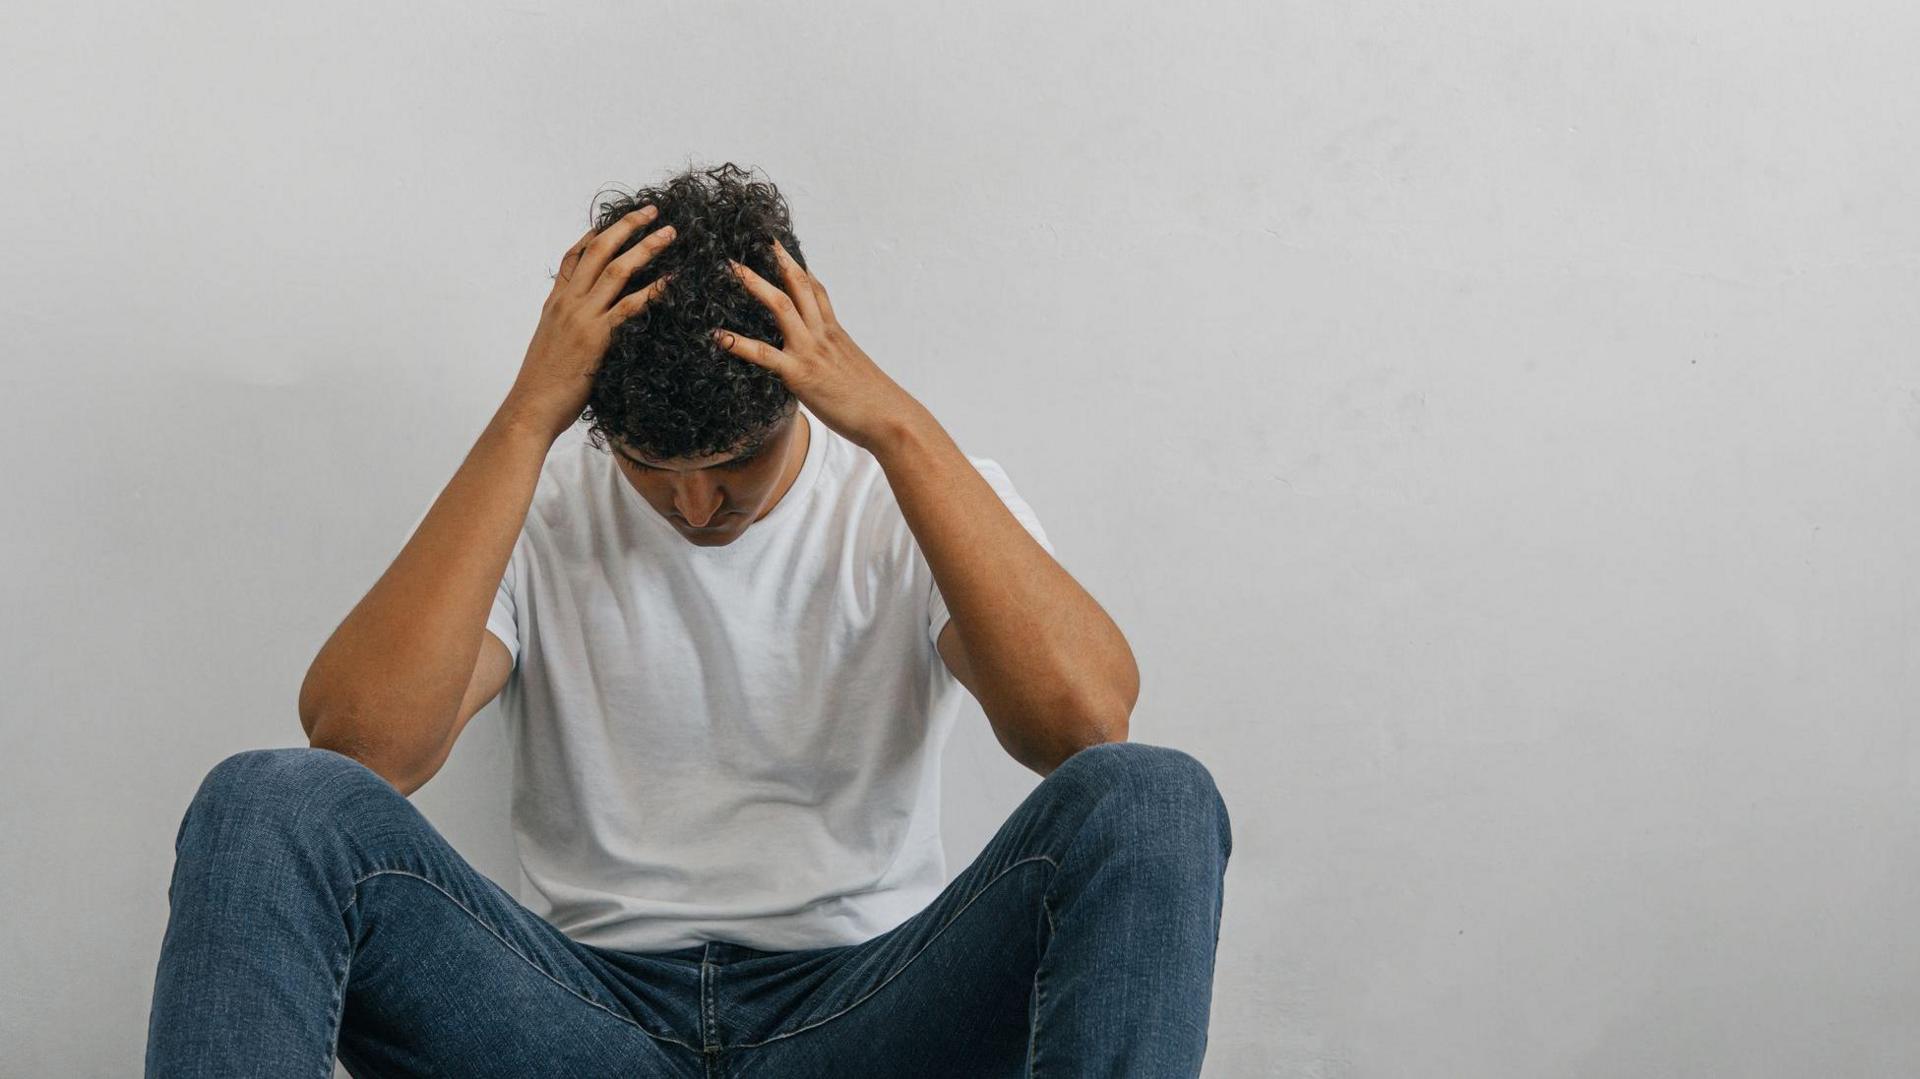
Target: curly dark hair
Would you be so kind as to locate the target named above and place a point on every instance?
(665, 387)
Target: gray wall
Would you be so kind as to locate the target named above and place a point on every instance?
(1496, 426)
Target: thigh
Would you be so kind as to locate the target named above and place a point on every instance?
(1108, 867)
(948, 992)
(315, 907)
(465, 981)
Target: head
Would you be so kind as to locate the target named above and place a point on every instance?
(712, 499)
(704, 436)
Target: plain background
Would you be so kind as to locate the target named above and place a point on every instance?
(1496, 426)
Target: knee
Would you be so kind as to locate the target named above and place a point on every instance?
(273, 789)
(1140, 769)
(253, 774)
(1167, 789)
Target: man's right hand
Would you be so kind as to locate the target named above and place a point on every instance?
(578, 319)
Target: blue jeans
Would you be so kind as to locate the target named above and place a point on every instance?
(315, 911)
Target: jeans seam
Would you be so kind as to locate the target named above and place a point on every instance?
(336, 1013)
(928, 943)
(1039, 995)
(709, 1027)
(1033, 1025)
(508, 945)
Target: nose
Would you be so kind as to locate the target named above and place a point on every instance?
(698, 501)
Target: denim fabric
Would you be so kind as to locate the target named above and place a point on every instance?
(314, 910)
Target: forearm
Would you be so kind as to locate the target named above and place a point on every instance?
(387, 685)
(1051, 670)
(1054, 672)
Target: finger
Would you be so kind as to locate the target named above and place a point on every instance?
(753, 351)
(572, 257)
(614, 278)
(785, 314)
(799, 285)
(636, 302)
(826, 305)
(599, 250)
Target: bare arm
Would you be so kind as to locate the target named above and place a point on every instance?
(403, 672)
(386, 687)
(1051, 670)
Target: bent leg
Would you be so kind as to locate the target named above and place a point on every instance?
(1133, 917)
(313, 906)
(1080, 942)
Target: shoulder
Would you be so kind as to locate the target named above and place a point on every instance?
(565, 486)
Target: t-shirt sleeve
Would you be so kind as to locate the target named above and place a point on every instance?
(503, 618)
(937, 613)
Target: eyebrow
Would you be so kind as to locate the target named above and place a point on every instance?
(741, 458)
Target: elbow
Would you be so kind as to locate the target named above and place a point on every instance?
(1106, 714)
(1103, 720)
(1078, 728)
(307, 707)
(1101, 712)
(403, 779)
(1101, 727)
(350, 739)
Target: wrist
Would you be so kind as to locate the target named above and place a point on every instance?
(905, 431)
(523, 420)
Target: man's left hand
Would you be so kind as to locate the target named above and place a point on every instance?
(819, 363)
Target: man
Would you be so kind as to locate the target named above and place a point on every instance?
(728, 632)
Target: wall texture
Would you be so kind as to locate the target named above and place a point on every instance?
(1495, 424)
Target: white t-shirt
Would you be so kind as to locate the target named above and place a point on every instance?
(735, 743)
